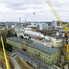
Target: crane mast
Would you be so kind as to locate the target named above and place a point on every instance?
(65, 28)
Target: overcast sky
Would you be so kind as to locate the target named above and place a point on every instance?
(12, 10)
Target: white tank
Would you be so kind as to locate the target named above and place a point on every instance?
(34, 34)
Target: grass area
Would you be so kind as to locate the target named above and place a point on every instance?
(2, 60)
(1, 55)
(23, 64)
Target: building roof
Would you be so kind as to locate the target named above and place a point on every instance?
(45, 40)
(57, 37)
(44, 48)
(19, 40)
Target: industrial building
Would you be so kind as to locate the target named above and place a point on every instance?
(27, 32)
(45, 42)
(47, 54)
(18, 42)
(57, 41)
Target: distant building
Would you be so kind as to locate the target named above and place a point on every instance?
(10, 25)
(34, 27)
(43, 26)
(56, 41)
(45, 42)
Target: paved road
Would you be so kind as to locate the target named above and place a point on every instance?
(15, 63)
(1, 68)
(36, 62)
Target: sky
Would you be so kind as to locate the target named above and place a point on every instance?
(12, 10)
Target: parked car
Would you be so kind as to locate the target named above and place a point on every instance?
(13, 54)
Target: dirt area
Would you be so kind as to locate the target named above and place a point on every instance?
(22, 63)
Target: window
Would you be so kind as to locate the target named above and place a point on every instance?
(49, 57)
(46, 60)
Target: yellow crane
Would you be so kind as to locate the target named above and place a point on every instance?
(6, 60)
(65, 27)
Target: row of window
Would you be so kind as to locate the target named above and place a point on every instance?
(45, 55)
(46, 60)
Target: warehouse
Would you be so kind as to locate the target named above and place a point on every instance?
(47, 54)
(18, 42)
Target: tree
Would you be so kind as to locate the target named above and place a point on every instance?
(21, 37)
(7, 46)
(15, 34)
(4, 34)
(10, 34)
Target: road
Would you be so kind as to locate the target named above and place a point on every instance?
(36, 62)
(15, 63)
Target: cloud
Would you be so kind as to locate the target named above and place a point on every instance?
(11, 10)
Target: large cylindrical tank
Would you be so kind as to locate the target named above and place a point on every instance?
(34, 34)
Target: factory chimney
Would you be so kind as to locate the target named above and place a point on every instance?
(20, 21)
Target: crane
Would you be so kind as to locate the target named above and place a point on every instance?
(6, 60)
(64, 26)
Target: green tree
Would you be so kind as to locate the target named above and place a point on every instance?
(10, 34)
(7, 46)
(4, 34)
(15, 34)
(21, 37)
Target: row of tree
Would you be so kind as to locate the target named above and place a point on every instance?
(5, 34)
(7, 46)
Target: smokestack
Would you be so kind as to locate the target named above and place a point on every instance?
(20, 20)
